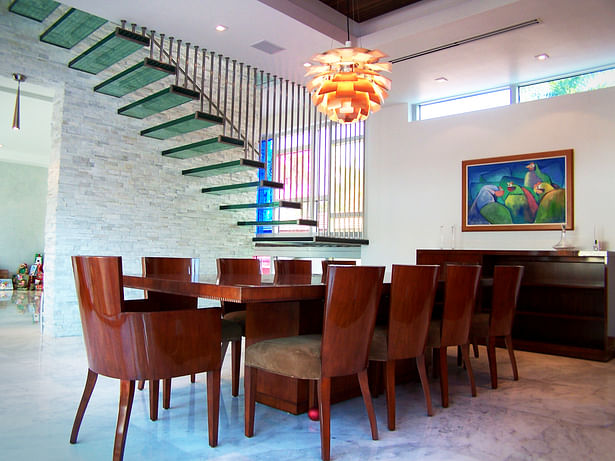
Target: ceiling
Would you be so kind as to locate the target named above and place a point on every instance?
(577, 36)
(364, 10)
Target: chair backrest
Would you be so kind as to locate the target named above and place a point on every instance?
(245, 271)
(413, 290)
(174, 268)
(139, 345)
(351, 304)
(506, 285)
(459, 301)
(328, 262)
(291, 271)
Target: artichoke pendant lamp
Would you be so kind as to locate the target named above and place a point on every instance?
(347, 86)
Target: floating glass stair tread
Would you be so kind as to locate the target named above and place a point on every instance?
(234, 166)
(141, 74)
(159, 102)
(33, 9)
(296, 222)
(71, 28)
(114, 47)
(182, 125)
(267, 240)
(242, 187)
(261, 206)
(208, 146)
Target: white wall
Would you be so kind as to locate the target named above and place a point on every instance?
(110, 191)
(23, 191)
(414, 172)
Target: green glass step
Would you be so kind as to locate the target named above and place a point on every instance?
(234, 166)
(71, 28)
(159, 102)
(208, 146)
(243, 187)
(141, 74)
(33, 9)
(182, 125)
(260, 206)
(296, 222)
(114, 47)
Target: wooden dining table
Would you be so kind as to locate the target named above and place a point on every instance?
(272, 311)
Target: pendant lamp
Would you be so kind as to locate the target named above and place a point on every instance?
(20, 78)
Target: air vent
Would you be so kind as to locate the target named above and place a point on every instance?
(268, 47)
(475, 38)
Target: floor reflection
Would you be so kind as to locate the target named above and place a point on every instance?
(26, 302)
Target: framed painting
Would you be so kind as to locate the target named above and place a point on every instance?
(518, 192)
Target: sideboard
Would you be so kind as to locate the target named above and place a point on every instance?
(564, 306)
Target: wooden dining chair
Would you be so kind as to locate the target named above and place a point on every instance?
(351, 302)
(453, 329)
(185, 269)
(413, 290)
(338, 262)
(292, 271)
(232, 271)
(126, 341)
(498, 322)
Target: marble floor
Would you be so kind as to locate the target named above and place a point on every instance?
(561, 409)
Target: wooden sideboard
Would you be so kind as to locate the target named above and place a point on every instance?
(564, 306)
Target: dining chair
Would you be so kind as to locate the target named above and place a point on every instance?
(328, 262)
(453, 329)
(185, 269)
(245, 271)
(351, 303)
(413, 290)
(498, 322)
(126, 341)
(292, 271)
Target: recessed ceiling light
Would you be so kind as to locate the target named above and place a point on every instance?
(307, 64)
(221, 28)
(542, 57)
(441, 79)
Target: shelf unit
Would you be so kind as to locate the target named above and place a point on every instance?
(564, 306)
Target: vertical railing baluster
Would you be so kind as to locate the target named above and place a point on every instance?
(224, 111)
(260, 121)
(247, 108)
(240, 100)
(194, 67)
(255, 72)
(212, 56)
(233, 99)
(152, 41)
(219, 110)
(177, 61)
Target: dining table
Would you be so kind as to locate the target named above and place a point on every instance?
(273, 310)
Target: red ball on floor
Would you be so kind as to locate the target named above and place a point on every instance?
(313, 414)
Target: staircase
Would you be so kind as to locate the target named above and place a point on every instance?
(202, 85)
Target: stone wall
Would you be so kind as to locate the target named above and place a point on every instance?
(110, 192)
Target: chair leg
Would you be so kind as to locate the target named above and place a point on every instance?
(493, 367)
(249, 391)
(465, 350)
(390, 393)
(193, 378)
(511, 354)
(127, 393)
(90, 382)
(459, 361)
(443, 376)
(213, 405)
(166, 393)
(154, 392)
(324, 400)
(141, 384)
(420, 364)
(235, 363)
(475, 347)
(312, 394)
(367, 398)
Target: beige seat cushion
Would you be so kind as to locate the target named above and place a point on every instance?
(378, 347)
(231, 331)
(294, 356)
(480, 326)
(238, 317)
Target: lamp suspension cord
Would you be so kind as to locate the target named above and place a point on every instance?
(348, 20)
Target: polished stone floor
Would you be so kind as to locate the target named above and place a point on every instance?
(561, 409)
